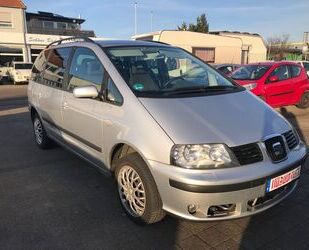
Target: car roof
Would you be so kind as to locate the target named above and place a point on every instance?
(272, 63)
(128, 43)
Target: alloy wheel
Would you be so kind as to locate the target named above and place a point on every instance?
(131, 191)
(38, 131)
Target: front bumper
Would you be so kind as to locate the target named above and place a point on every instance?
(237, 192)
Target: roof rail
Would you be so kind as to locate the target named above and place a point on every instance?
(72, 39)
(151, 41)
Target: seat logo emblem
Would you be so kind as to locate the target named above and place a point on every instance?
(278, 149)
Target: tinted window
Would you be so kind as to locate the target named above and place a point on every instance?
(295, 70)
(250, 72)
(38, 66)
(86, 69)
(282, 72)
(56, 66)
(113, 94)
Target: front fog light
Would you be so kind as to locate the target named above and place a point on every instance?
(202, 156)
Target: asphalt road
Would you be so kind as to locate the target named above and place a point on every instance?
(52, 199)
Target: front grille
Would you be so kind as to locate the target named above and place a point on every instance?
(276, 148)
(291, 139)
(248, 154)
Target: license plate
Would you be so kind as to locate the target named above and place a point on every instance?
(282, 180)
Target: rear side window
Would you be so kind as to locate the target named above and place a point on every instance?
(282, 72)
(56, 66)
(295, 70)
(38, 66)
(86, 69)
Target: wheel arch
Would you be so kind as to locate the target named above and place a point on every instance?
(120, 150)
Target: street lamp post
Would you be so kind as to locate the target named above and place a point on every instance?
(135, 18)
(151, 20)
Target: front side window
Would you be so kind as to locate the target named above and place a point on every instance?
(56, 66)
(295, 70)
(113, 94)
(282, 72)
(306, 66)
(250, 72)
(164, 71)
(85, 70)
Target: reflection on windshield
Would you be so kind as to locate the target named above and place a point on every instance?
(250, 72)
(159, 70)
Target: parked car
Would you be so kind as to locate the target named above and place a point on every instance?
(226, 68)
(3, 72)
(186, 141)
(19, 72)
(278, 83)
(305, 64)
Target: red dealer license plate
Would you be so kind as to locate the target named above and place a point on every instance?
(282, 180)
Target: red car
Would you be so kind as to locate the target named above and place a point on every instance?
(278, 83)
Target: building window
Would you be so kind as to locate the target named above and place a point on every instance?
(5, 20)
(48, 24)
(205, 54)
(61, 26)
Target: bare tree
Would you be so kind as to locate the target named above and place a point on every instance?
(277, 46)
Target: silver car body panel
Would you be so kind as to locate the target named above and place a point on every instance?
(216, 119)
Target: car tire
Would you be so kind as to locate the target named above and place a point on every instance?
(40, 135)
(137, 190)
(304, 101)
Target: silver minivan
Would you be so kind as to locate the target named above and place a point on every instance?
(178, 136)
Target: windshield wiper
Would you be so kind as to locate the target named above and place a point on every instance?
(199, 90)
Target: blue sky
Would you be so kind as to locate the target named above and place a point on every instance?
(115, 18)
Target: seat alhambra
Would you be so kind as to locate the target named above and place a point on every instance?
(178, 136)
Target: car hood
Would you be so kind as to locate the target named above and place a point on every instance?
(234, 119)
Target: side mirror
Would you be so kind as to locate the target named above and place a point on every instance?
(85, 92)
(273, 79)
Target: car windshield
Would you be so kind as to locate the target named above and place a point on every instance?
(164, 71)
(250, 72)
(23, 66)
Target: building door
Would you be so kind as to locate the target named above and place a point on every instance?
(244, 56)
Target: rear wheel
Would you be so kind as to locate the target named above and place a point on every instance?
(137, 190)
(41, 138)
(304, 101)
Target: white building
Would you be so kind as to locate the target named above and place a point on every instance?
(23, 35)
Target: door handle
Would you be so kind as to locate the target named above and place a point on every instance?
(65, 105)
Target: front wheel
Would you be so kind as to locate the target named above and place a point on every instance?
(137, 190)
(304, 101)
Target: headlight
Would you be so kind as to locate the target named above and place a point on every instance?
(203, 156)
(250, 86)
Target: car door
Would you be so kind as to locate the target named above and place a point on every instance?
(51, 91)
(280, 91)
(306, 66)
(82, 125)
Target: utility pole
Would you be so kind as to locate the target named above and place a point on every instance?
(151, 20)
(135, 18)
